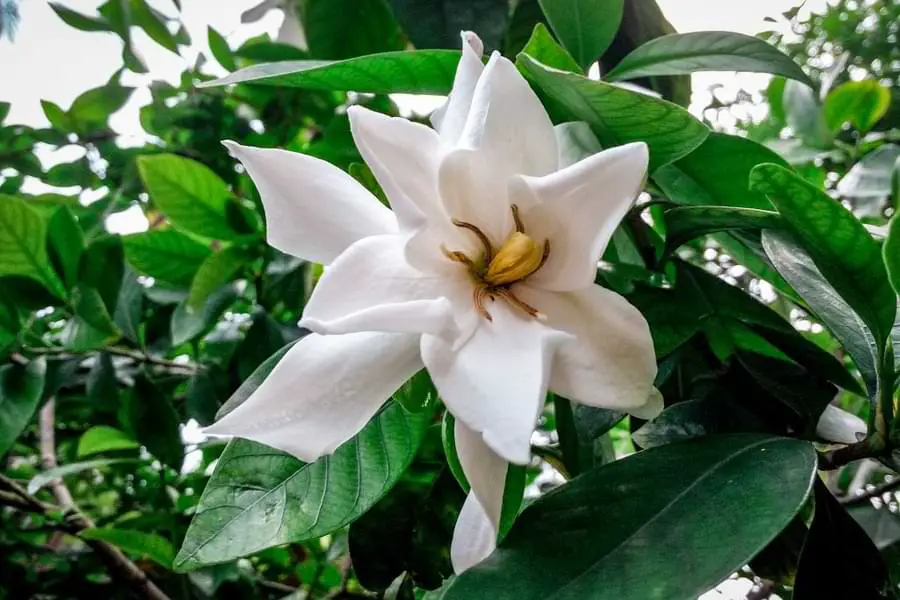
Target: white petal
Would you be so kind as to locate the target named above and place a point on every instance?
(313, 209)
(609, 361)
(404, 157)
(371, 287)
(471, 191)
(323, 391)
(450, 118)
(496, 381)
(578, 210)
(475, 535)
(509, 124)
(838, 425)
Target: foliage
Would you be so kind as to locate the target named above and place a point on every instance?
(757, 260)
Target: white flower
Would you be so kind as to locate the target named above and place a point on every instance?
(483, 274)
(839, 426)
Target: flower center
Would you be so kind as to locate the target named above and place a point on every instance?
(493, 273)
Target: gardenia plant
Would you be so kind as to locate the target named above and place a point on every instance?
(482, 272)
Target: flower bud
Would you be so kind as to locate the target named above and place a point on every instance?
(518, 257)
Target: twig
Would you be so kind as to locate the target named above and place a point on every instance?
(875, 492)
(868, 448)
(125, 352)
(115, 560)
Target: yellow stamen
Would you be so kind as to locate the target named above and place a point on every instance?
(518, 257)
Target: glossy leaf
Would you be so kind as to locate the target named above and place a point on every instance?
(684, 53)
(191, 195)
(92, 326)
(214, 272)
(23, 249)
(139, 543)
(586, 28)
(165, 254)
(410, 72)
(21, 388)
(103, 438)
(541, 46)
(838, 243)
(688, 222)
(337, 29)
(65, 242)
(619, 116)
(437, 23)
(259, 497)
(695, 419)
(580, 428)
(860, 103)
(603, 530)
(218, 45)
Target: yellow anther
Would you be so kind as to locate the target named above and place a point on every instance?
(518, 257)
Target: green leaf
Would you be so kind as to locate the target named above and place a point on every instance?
(214, 272)
(153, 25)
(891, 253)
(337, 29)
(685, 223)
(871, 177)
(45, 477)
(541, 46)
(580, 428)
(189, 193)
(130, 306)
(23, 249)
(189, 323)
(220, 49)
(258, 497)
(93, 108)
(103, 267)
(838, 243)
(155, 423)
(102, 386)
(139, 543)
(684, 53)
(860, 103)
(695, 419)
(604, 529)
(586, 28)
(66, 244)
(57, 116)
(619, 116)
(103, 438)
(78, 20)
(166, 255)
(411, 72)
(92, 326)
(691, 181)
(437, 23)
(21, 388)
(805, 116)
(264, 338)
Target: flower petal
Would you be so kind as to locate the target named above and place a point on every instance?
(496, 381)
(609, 361)
(578, 209)
(838, 425)
(404, 157)
(313, 209)
(450, 118)
(509, 124)
(323, 392)
(472, 192)
(371, 287)
(475, 534)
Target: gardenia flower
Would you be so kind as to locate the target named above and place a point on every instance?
(483, 273)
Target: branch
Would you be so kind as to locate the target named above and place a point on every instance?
(875, 492)
(135, 355)
(870, 447)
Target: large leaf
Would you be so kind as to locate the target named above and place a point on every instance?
(840, 246)
(580, 429)
(437, 23)
(21, 388)
(78, 20)
(543, 47)
(103, 438)
(259, 497)
(619, 116)
(600, 535)
(685, 223)
(683, 53)
(860, 103)
(140, 543)
(23, 250)
(166, 255)
(412, 72)
(92, 108)
(337, 29)
(891, 253)
(189, 193)
(586, 28)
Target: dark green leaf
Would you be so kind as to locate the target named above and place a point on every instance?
(337, 29)
(139, 543)
(78, 20)
(102, 438)
(585, 27)
(603, 530)
(66, 244)
(23, 249)
(102, 385)
(191, 195)
(619, 116)
(688, 222)
(264, 338)
(525, 16)
(103, 268)
(683, 53)
(92, 326)
(696, 419)
(218, 45)
(580, 428)
(153, 25)
(21, 388)
(166, 255)
(130, 306)
(214, 272)
(412, 72)
(838, 243)
(437, 23)
(418, 393)
(541, 46)
(860, 103)
(155, 423)
(188, 323)
(891, 253)
(259, 497)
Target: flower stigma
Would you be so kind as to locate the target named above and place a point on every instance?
(494, 273)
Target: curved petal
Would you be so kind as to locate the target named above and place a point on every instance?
(578, 209)
(472, 191)
(495, 382)
(838, 425)
(509, 124)
(313, 209)
(609, 361)
(323, 391)
(371, 287)
(475, 534)
(404, 157)
(450, 118)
